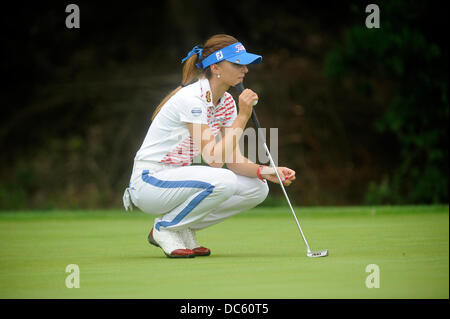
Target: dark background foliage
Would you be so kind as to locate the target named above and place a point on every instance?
(362, 113)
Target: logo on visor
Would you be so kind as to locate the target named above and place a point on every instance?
(219, 55)
(239, 48)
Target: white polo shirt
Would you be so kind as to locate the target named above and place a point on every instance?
(168, 140)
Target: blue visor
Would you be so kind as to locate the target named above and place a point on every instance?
(234, 53)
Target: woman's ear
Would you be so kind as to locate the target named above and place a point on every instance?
(214, 69)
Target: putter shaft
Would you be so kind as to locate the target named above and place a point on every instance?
(272, 163)
(240, 88)
(322, 253)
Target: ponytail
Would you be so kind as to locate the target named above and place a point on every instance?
(190, 70)
(189, 74)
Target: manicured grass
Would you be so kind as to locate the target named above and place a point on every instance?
(258, 254)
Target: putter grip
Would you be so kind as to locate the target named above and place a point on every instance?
(240, 87)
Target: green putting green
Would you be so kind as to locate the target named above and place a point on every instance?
(258, 254)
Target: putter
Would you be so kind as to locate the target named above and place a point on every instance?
(309, 253)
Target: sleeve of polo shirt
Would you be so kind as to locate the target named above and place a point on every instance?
(230, 114)
(193, 110)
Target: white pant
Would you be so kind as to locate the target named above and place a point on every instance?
(194, 196)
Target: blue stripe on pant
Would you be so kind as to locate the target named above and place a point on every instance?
(178, 184)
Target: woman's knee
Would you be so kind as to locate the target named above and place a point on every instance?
(225, 182)
(262, 191)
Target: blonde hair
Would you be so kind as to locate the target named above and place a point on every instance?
(191, 72)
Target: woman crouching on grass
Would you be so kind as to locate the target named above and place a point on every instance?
(192, 197)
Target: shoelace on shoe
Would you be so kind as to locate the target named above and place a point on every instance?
(172, 239)
(188, 236)
(175, 236)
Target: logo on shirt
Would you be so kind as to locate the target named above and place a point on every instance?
(208, 96)
(196, 111)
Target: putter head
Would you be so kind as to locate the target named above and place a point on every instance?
(322, 253)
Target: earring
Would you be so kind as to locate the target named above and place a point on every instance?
(218, 76)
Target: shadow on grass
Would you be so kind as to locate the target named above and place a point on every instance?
(214, 256)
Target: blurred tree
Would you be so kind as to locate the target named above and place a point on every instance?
(77, 103)
(407, 52)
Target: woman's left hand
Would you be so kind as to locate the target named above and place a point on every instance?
(287, 175)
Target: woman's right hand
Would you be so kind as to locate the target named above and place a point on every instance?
(246, 101)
